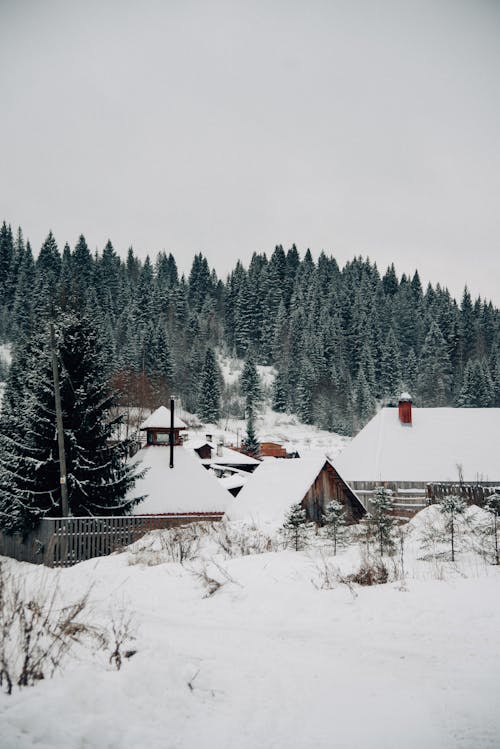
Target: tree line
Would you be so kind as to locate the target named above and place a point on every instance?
(342, 340)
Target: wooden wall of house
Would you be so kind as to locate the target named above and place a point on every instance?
(329, 486)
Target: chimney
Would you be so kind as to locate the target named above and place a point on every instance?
(220, 450)
(404, 407)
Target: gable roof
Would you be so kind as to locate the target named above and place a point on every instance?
(160, 419)
(228, 457)
(429, 450)
(188, 487)
(273, 488)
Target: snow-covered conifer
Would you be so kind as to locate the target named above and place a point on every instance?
(335, 523)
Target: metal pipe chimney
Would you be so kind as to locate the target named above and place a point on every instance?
(172, 433)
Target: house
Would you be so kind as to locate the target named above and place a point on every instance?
(158, 427)
(410, 450)
(279, 484)
(209, 452)
(186, 490)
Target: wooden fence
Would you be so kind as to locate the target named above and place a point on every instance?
(62, 542)
(411, 497)
(474, 494)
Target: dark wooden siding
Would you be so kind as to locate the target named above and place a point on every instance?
(329, 486)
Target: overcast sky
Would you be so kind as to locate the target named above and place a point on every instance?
(355, 127)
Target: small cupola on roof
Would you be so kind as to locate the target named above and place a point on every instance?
(158, 427)
(404, 407)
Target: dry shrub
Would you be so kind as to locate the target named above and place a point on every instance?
(213, 577)
(240, 541)
(180, 545)
(370, 573)
(38, 631)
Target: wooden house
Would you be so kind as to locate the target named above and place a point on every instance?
(409, 450)
(158, 428)
(186, 489)
(209, 453)
(277, 485)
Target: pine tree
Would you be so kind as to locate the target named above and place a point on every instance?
(279, 392)
(335, 524)
(209, 393)
(98, 475)
(381, 506)
(390, 370)
(250, 442)
(450, 507)
(434, 379)
(492, 506)
(250, 385)
(477, 386)
(295, 527)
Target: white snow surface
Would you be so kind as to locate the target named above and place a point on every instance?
(272, 660)
(308, 440)
(187, 487)
(431, 449)
(274, 487)
(161, 420)
(6, 353)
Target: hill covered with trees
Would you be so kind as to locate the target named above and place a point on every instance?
(341, 339)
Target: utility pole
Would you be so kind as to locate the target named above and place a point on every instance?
(60, 430)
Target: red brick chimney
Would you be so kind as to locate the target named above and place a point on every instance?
(404, 407)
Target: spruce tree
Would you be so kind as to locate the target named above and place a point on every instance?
(98, 475)
(381, 507)
(295, 527)
(434, 379)
(250, 385)
(250, 442)
(335, 523)
(451, 507)
(209, 390)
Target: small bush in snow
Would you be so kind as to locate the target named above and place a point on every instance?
(180, 545)
(370, 573)
(212, 576)
(240, 541)
(37, 632)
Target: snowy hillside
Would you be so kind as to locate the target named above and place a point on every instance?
(275, 658)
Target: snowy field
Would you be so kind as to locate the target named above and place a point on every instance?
(276, 657)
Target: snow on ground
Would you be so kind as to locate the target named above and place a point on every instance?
(307, 440)
(271, 660)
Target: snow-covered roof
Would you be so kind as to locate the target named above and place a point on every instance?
(234, 481)
(230, 457)
(160, 419)
(431, 449)
(273, 488)
(188, 487)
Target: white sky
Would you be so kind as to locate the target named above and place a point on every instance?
(359, 127)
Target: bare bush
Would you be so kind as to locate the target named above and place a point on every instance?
(371, 572)
(240, 541)
(213, 577)
(180, 545)
(121, 634)
(37, 632)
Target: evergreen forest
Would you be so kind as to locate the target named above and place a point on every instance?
(342, 340)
